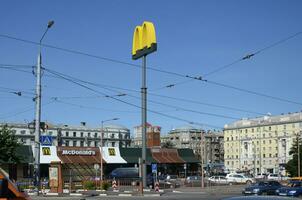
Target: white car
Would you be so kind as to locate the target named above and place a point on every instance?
(276, 177)
(218, 179)
(239, 178)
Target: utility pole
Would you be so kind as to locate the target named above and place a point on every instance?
(101, 144)
(202, 157)
(38, 112)
(298, 143)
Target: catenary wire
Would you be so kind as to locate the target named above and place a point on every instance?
(122, 101)
(104, 86)
(159, 103)
(169, 72)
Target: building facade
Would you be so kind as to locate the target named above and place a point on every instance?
(152, 137)
(77, 136)
(209, 144)
(261, 145)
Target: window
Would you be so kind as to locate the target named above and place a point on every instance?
(284, 126)
(264, 155)
(22, 132)
(252, 130)
(245, 130)
(67, 142)
(82, 134)
(96, 143)
(263, 142)
(95, 135)
(74, 143)
(270, 141)
(82, 143)
(89, 143)
(88, 134)
(113, 144)
(74, 134)
(67, 134)
(269, 128)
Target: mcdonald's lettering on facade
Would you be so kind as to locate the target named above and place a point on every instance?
(144, 40)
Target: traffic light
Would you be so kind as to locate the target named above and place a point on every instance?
(144, 40)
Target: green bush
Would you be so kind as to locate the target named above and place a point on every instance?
(105, 186)
(89, 185)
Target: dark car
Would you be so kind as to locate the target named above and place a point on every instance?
(294, 189)
(262, 187)
(258, 198)
(124, 173)
(129, 173)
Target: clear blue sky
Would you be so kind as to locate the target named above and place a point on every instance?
(194, 38)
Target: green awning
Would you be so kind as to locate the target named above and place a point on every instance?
(131, 155)
(25, 153)
(187, 155)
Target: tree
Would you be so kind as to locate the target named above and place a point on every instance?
(8, 146)
(168, 145)
(292, 165)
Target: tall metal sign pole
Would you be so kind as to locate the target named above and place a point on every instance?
(38, 111)
(144, 43)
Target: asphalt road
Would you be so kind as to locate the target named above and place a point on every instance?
(213, 193)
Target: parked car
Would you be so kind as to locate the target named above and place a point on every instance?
(262, 187)
(129, 173)
(193, 181)
(261, 176)
(258, 198)
(218, 180)
(171, 177)
(276, 177)
(239, 178)
(124, 173)
(294, 189)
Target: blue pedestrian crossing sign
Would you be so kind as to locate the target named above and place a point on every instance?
(154, 168)
(46, 140)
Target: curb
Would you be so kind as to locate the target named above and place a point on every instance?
(151, 195)
(125, 195)
(75, 194)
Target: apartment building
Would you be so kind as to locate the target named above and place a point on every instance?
(77, 136)
(191, 137)
(262, 144)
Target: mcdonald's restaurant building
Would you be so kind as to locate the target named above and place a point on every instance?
(78, 163)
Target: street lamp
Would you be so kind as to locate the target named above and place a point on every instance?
(38, 110)
(102, 132)
(298, 148)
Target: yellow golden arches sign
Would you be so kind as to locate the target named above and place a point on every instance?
(46, 151)
(144, 40)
